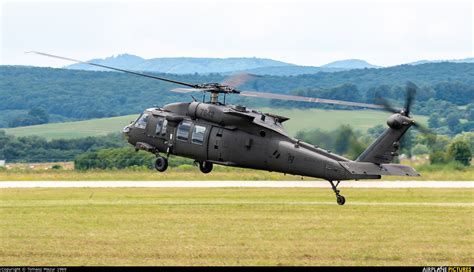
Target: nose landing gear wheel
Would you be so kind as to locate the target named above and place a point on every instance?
(205, 167)
(161, 164)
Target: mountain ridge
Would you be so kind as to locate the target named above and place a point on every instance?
(232, 65)
(180, 65)
(350, 64)
(465, 60)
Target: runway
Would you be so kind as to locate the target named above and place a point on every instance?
(244, 184)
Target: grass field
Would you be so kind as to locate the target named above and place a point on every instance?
(93, 127)
(231, 226)
(307, 119)
(300, 120)
(188, 172)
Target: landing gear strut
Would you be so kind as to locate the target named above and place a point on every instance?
(161, 164)
(340, 199)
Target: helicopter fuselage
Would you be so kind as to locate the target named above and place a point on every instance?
(233, 136)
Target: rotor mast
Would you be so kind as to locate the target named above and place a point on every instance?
(214, 97)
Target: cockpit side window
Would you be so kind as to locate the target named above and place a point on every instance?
(142, 121)
(159, 125)
(198, 135)
(183, 131)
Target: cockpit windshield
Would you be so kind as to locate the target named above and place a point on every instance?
(142, 121)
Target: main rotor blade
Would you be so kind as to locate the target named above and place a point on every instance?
(189, 90)
(411, 92)
(309, 99)
(113, 68)
(235, 81)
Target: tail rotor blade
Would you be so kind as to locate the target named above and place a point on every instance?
(386, 105)
(423, 129)
(430, 135)
(411, 92)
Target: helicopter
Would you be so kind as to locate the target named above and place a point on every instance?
(213, 132)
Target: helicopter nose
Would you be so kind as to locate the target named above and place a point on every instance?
(126, 130)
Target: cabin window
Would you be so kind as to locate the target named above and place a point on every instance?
(159, 125)
(163, 129)
(198, 134)
(183, 131)
(142, 121)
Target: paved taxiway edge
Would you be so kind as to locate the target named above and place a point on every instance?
(247, 184)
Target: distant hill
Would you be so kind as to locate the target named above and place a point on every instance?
(466, 60)
(258, 66)
(350, 64)
(292, 70)
(184, 65)
(180, 65)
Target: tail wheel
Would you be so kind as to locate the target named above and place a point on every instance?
(161, 164)
(205, 167)
(340, 200)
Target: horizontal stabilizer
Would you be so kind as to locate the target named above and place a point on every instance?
(367, 168)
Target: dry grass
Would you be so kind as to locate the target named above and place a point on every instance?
(192, 173)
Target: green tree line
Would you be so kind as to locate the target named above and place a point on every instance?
(441, 149)
(38, 149)
(33, 95)
(113, 152)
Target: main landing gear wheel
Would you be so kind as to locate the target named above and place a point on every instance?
(161, 164)
(205, 167)
(339, 198)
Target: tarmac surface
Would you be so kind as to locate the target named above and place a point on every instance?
(220, 184)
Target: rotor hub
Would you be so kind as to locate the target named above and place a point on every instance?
(216, 88)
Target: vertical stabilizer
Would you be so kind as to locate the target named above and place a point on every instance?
(384, 148)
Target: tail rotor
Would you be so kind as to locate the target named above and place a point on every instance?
(411, 90)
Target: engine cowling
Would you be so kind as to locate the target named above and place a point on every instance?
(214, 113)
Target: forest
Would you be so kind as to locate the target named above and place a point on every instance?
(32, 95)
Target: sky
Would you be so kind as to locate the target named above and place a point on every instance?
(302, 32)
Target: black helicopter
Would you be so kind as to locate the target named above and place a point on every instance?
(232, 135)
